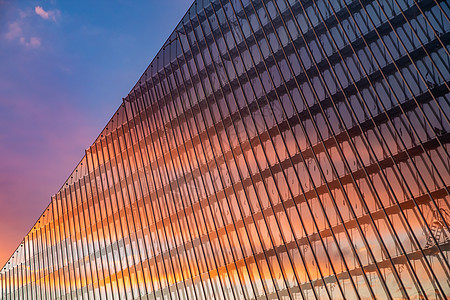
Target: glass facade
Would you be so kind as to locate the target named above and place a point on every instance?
(272, 149)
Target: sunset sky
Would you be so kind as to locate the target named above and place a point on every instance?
(64, 68)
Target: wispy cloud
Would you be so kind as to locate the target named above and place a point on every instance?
(47, 15)
(14, 30)
(21, 29)
(32, 42)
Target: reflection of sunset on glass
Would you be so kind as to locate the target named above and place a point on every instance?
(272, 149)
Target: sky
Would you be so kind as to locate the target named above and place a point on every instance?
(65, 65)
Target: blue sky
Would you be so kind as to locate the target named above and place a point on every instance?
(64, 67)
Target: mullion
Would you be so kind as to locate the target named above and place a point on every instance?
(159, 138)
(407, 85)
(3, 281)
(17, 275)
(4, 275)
(264, 186)
(85, 216)
(288, 123)
(417, 37)
(103, 216)
(293, 122)
(239, 147)
(59, 213)
(11, 282)
(336, 95)
(162, 220)
(266, 191)
(136, 228)
(28, 262)
(420, 212)
(350, 141)
(74, 249)
(189, 77)
(161, 254)
(82, 215)
(129, 266)
(378, 238)
(399, 245)
(67, 239)
(57, 244)
(313, 69)
(293, 164)
(74, 204)
(13, 279)
(41, 263)
(317, 132)
(44, 262)
(95, 281)
(134, 156)
(156, 203)
(228, 171)
(20, 284)
(63, 244)
(23, 272)
(81, 255)
(388, 119)
(155, 221)
(38, 262)
(26, 272)
(98, 221)
(240, 175)
(175, 214)
(50, 253)
(120, 211)
(18, 268)
(110, 214)
(184, 173)
(15, 260)
(437, 102)
(123, 210)
(191, 139)
(7, 279)
(234, 160)
(425, 117)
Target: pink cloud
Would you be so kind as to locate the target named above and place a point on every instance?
(14, 30)
(33, 42)
(50, 14)
(19, 29)
(41, 12)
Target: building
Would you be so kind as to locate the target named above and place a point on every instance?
(281, 149)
